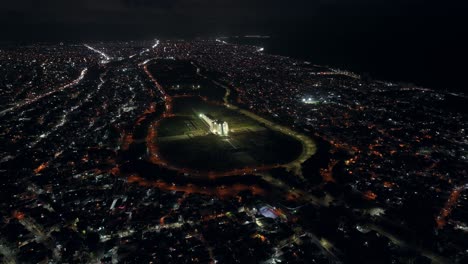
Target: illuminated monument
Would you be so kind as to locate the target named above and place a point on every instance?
(217, 127)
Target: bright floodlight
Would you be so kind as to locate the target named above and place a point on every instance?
(308, 100)
(216, 127)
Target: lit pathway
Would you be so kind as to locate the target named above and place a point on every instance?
(309, 147)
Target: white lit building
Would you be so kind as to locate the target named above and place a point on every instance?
(217, 127)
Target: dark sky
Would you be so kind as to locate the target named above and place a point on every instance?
(140, 18)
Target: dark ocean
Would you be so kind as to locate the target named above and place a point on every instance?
(406, 66)
(406, 60)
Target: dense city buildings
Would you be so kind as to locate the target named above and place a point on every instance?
(105, 158)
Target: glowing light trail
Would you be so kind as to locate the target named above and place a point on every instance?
(39, 97)
(106, 57)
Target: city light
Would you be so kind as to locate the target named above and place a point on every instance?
(309, 100)
(198, 151)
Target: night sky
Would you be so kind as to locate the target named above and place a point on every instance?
(140, 18)
(359, 34)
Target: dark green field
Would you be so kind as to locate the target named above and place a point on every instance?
(193, 106)
(184, 140)
(181, 77)
(181, 125)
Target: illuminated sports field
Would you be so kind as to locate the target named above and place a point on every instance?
(184, 140)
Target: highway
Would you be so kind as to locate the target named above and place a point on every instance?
(44, 95)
